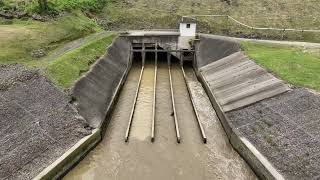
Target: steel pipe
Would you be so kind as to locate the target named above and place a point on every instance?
(203, 134)
(173, 104)
(134, 105)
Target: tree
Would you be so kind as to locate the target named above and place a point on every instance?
(43, 4)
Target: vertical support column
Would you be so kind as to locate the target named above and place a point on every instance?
(177, 53)
(169, 58)
(194, 63)
(181, 58)
(156, 52)
(143, 54)
(131, 55)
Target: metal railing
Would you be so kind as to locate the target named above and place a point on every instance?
(252, 27)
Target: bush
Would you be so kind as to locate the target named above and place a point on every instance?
(84, 5)
(54, 6)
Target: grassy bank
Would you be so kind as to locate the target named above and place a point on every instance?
(22, 40)
(65, 70)
(290, 64)
(146, 14)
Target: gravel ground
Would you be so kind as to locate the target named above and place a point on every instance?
(286, 130)
(37, 123)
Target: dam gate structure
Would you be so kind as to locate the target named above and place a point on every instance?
(160, 47)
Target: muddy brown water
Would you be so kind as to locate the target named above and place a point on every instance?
(165, 158)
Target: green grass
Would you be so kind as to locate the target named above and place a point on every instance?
(290, 64)
(68, 68)
(21, 38)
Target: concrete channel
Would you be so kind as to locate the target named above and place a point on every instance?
(139, 158)
(161, 112)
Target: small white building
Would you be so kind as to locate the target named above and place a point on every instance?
(187, 32)
(188, 28)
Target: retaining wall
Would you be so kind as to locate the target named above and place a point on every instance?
(212, 49)
(94, 96)
(94, 93)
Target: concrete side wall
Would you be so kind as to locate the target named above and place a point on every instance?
(223, 69)
(259, 164)
(212, 48)
(94, 93)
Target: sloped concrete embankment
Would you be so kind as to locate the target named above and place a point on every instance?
(232, 81)
(95, 92)
(94, 95)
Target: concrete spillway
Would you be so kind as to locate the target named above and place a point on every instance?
(148, 109)
(164, 158)
(185, 107)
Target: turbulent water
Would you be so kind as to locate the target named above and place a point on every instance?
(165, 158)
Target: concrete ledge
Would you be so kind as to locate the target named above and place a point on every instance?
(71, 157)
(259, 164)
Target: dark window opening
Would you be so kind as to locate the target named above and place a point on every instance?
(188, 25)
(187, 53)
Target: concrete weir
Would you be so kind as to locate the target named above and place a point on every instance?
(168, 95)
